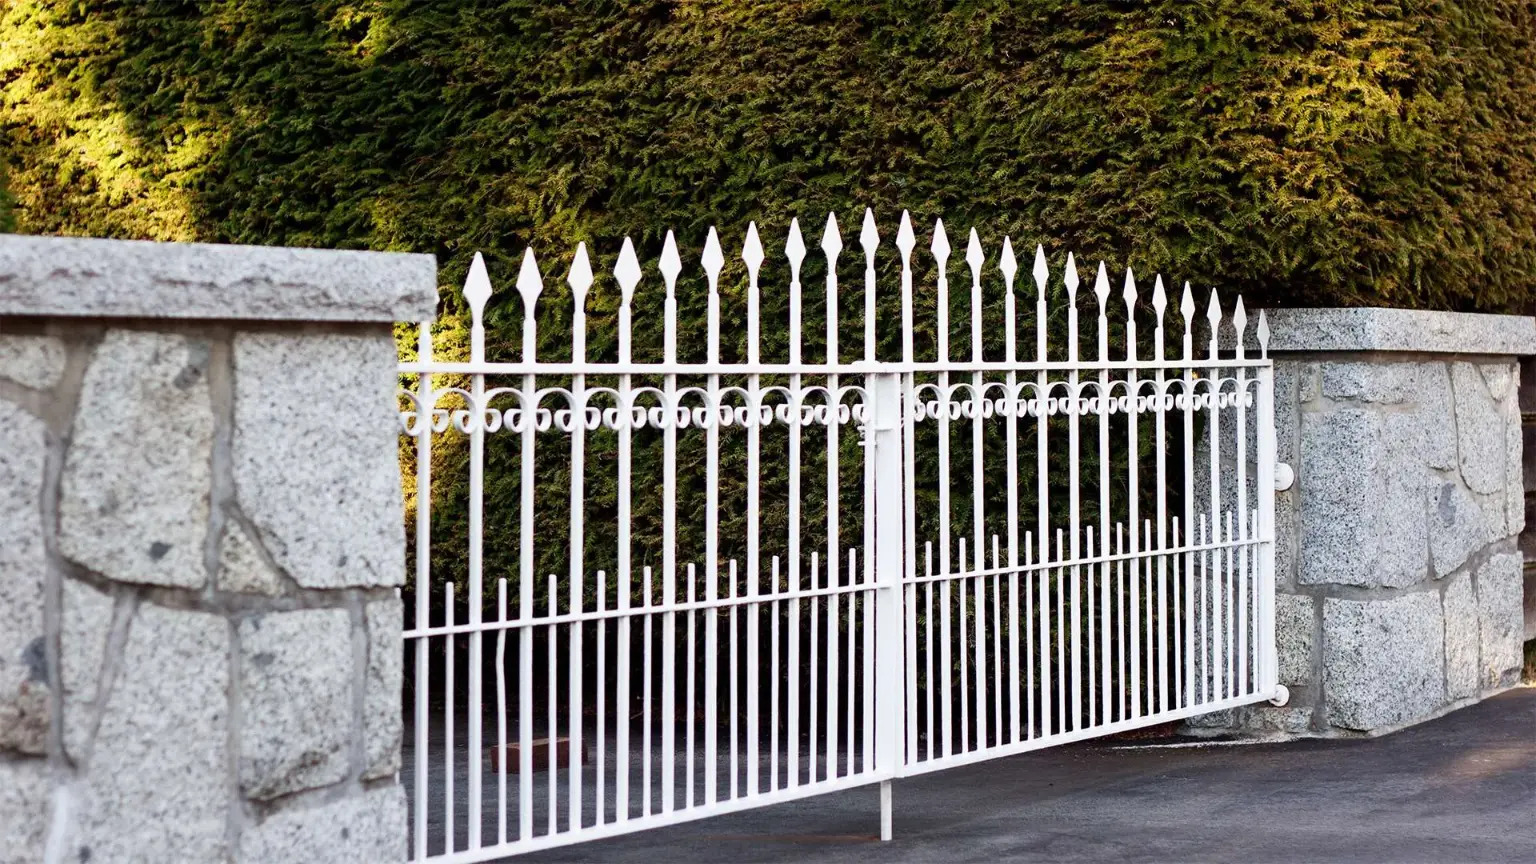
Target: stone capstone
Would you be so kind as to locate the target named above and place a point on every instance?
(84, 276)
(25, 788)
(23, 674)
(1369, 329)
(296, 690)
(241, 568)
(319, 476)
(1501, 618)
(156, 785)
(1479, 431)
(382, 723)
(1461, 638)
(31, 361)
(360, 829)
(1294, 623)
(134, 500)
(1384, 661)
(84, 633)
(1363, 519)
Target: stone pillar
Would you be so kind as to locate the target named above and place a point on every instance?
(201, 543)
(1398, 564)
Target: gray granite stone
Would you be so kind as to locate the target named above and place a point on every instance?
(25, 792)
(1479, 431)
(1363, 519)
(1294, 626)
(1514, 481)
(361, 829)
(1458, 527)
(156, 786)
(1376, 382)
(1309, 382)
(134, 501)
(87, 277)
(31, 361)
(1461, 638)
(296, 680)
(1287, 720)
(241, 568)
(1400, 330)
(382, 723)
(1435, 416)
(1286, 408)
(1384, 660)
(86, 626)
(319, 477)
(22, 575)
(1501, 618)
(1498, 377)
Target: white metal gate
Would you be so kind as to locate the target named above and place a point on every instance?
(669, 626)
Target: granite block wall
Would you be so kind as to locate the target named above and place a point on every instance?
(1398, 566)
(200, 552)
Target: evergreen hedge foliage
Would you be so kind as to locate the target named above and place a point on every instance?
(1318, 153)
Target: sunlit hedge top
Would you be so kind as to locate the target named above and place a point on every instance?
(1324, 152)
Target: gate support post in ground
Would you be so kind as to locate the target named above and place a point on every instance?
(884, 435)
(201, 544)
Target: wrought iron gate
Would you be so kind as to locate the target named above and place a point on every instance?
(694, 630)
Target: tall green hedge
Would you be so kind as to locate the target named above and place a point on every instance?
(1321, 152)
(1327, 152)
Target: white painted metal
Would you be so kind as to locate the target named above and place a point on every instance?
(1098, 618)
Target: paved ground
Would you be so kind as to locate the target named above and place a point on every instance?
(1458, 789)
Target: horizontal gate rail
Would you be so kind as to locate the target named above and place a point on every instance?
(666, 583)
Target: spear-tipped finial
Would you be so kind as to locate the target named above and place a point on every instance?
(1239, 318)
(831, 238)
(712, 259)
(477, 285)
(1042, 271)
(905, 239)
(1263, 333)
(1007, 263)
(580, 277)
(794, 246)
(529, 283)
(869, 238)
(671, 262)
(1101, 285)
(1070, 277)
(1213, 312)
(1159, 298)
(1187, 305)
(973, 255)
(752, 249)
(1128, 293)
(627, 271)
(940, 246)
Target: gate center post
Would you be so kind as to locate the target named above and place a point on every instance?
(884, 433)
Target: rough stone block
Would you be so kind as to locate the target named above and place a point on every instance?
(1435, 416)
(1363, 519)
(86, 626)
(1399, 330)
(1457, 527)
(1479, 431)
(25, 792)
(319, 476)
(361, 829)
(1501, 618)
(1384, 660)
(22, 571)
(241, 568)
(1294, 623)
(1288, 720)
(156, 786)
(296, 700)
(136, 279)
(1381, 383)
(1461, 638)
(31, 361)
(382, 723)
(134, 502)
(1514, 480)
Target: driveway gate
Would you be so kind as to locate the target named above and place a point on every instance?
(666, 587)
